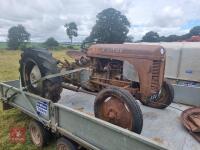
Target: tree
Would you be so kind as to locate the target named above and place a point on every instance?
(71, 30)
(151, 37)
(51, 43)
(172, 38)
(195, 31)
(162, 38)
(17, 37)
(111, 27)
(129, 39)
(185, 36)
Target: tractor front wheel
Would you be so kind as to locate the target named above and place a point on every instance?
(119, 107)
(164, 99)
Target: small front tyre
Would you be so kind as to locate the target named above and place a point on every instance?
(164, 99)
(119, 107)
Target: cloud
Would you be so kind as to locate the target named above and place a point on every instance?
(168, 17)
(46, 18)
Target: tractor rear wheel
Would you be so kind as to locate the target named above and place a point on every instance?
(119, 107)
(34, 65)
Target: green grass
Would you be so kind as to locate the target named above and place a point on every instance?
(9, 64)
(74, 47)
(36, 44)
(3, 45)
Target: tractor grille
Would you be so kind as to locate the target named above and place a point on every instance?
(155, 75)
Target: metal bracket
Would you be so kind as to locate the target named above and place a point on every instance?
(7, 98)
(56, 75)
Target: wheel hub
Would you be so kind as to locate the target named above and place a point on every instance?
(112, 115)
(35, 135)
(115, 111)
(35, 75)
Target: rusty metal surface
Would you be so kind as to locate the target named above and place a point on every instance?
(113, 110)
(118, 83)
(148, 61)
(106, 63)
(191, 121)
(195, 120)
(126, 50)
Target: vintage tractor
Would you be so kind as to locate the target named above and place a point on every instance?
(120, 73)
(137, 68)
(43, 75)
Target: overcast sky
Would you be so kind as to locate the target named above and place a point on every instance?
(46, 18)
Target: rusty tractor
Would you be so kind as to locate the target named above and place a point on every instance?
(117, 74)
(137, 68)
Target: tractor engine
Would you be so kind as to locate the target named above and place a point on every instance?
(107, 68)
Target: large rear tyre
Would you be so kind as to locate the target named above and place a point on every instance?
(119, 107)
(34, 65)
(164, 99)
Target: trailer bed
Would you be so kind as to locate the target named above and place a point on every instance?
(72, 122)
(161, 125)
(161, 129)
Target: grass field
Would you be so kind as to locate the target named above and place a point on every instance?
(9, 65)
(3, 45)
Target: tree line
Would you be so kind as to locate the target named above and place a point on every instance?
(154, 36)
(111, 27)
(19, 38)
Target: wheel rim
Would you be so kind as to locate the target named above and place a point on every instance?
(32, 74)
(162, 95)
(36, 136)
(35, 75)
(115, 111)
